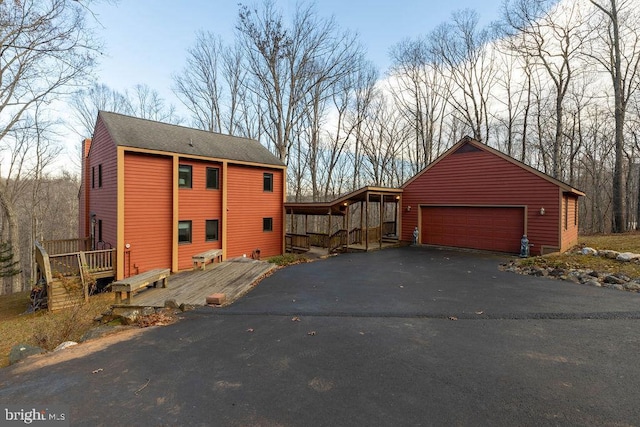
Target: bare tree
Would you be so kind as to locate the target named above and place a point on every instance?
(287, 63)
(45, 49)
(142, 101)
(87, 102)
(618, 32)
(552, 36)
(363, 100)
(199, 85)
(463, 49)
(418, 89)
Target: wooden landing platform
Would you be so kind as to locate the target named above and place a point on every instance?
(233, 278)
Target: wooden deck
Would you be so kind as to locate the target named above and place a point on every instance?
(233, 278)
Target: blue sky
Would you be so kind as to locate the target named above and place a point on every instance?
(146, 40)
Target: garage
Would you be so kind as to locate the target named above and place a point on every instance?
(493, 228)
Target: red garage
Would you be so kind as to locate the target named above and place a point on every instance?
(476, 197)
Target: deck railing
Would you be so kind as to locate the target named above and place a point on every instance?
(319, 239)
(338, 240)
(296, 242)
(96, 263)
(55, 269)
(355, 236)
(65, 246)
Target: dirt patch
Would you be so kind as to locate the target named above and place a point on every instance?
(81, 350)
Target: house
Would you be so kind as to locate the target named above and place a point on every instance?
(474, 196)
(160, 193)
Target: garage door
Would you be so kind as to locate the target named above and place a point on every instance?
(489, 228)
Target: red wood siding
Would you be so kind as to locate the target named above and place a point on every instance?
(148, 212)
(247, 205)
(569, 220)
(103, 199)
(198, 204)
(479, 177)
(488, 228)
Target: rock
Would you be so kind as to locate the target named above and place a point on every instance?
(618, 287)
(128, 316)
(632, 286)
(571, 277)
(613, 280)
(147, 311)
(539, 271)
(65, 345)
(627, 256)
(187, 307)
(594, 273)
(171, 303)
(622, 276)
(22, 351)
(585, 278)
(557, 272)
(588, 251)
(100, 332)
(593, 283)
(609, 254)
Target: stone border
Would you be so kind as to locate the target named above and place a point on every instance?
(588, 277)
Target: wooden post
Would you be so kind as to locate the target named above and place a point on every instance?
(366, 222)
(381, 218)
(329, 234)
(346, 219)
(82, 262)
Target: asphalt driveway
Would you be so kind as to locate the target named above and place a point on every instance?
(366, 339)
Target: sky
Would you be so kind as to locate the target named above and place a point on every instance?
(145, 41)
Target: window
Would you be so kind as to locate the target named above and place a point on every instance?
(267, 224)
(212, 178)
(93, 177)
(100, 239)
(99, 175)
(184, 176)
(566, 213)
(575, 212)
(184, 232)
(267, 181)
(211, 230)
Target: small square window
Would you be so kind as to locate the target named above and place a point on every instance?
(211, 230)
(267, 224)
(184, 176)
(213, 175)
(267, 182)
(184, 232)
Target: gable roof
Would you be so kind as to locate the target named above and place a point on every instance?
(469, 144)
(127, 131)
(335, 206)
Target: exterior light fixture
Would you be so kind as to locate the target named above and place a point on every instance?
(409, 208)
(541, 211)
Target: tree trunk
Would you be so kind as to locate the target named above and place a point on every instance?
(12, 239)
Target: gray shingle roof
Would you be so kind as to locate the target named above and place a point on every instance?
(134, 132)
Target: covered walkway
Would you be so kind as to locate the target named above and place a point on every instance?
(364, 219)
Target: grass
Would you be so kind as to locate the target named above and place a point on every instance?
(288, 259)
(42, 328)
(626, 242)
